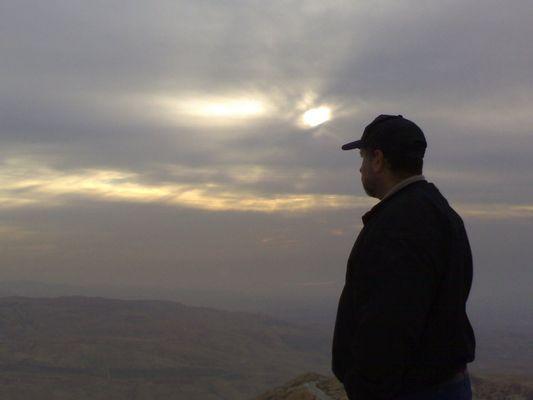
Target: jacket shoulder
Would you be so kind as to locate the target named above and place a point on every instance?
(421, 211)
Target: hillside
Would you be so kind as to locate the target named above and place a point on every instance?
(96, 348)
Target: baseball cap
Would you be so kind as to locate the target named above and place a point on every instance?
(393, 134)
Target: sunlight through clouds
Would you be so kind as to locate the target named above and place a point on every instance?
(316, 116)
(25, 184)
(212, 109)
(199, 109)
(47, 187)
(222, 108)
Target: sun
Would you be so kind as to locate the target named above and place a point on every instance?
(316, 116)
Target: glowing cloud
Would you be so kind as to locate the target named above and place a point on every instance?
(316, 116)
(206, 109)
(23, 184)
(230, 108)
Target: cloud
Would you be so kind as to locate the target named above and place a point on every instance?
(496, 211)
(26, 184)
(48, 187)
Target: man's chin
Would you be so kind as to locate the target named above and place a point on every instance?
(369, 192)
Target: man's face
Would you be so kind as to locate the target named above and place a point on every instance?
(368, 177)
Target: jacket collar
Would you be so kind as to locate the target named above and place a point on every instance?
(395, 190)
(403, 183)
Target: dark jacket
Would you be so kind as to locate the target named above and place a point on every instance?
(401, 320)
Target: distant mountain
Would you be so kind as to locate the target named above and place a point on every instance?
(312, 386)
(302, 306)
(94, 348)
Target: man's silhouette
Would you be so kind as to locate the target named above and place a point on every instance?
(401, 330)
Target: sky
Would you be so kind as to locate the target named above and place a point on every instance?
(164, 143)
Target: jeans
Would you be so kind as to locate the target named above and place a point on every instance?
(459, 390)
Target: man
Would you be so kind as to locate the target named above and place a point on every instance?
(401, 330)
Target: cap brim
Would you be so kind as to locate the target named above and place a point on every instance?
(352, 145)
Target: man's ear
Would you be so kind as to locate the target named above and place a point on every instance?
(378, 160)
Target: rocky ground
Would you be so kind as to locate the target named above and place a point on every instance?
(312, 386)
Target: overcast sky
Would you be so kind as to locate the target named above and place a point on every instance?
(163, 142)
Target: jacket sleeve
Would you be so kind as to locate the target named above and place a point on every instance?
(398, 287)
